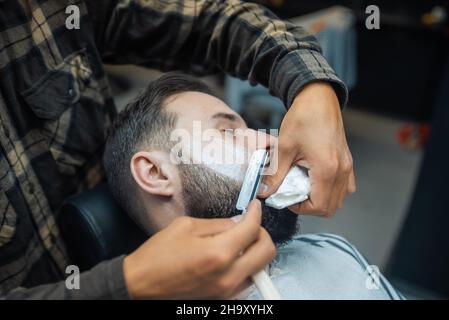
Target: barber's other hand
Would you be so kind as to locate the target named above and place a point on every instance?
(312, 135)
(199, 258)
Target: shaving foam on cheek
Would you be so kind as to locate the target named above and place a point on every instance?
(225, 158)
(294, 189)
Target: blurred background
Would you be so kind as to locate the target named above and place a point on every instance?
(397, 125)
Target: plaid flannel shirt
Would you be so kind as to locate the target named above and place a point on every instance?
(56, 105)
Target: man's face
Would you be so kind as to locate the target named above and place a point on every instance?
(211, 185)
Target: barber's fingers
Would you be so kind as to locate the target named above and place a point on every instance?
(321, 196)
(254, 259)
(334, 203)
(243, 234)
(239, 292)
(351, 184)
(345, 183)
(342, 195)
(347, 188)
(281, 160)
(210, 227)
(340, 190)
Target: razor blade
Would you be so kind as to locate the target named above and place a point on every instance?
(252, 179)
(248, 192)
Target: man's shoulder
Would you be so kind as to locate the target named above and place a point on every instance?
(328, 266)
(325, 242)
(313, 248)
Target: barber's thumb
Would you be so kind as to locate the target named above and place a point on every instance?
(254, 210)
(272, 181)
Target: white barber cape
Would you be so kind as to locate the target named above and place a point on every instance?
(325, 266)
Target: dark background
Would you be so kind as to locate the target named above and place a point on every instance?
(400, 65)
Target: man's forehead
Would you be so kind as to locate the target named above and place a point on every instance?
(193, 105)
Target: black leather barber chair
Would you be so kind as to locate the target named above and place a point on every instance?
(96, 229)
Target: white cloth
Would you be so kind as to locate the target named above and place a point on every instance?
(294, 189)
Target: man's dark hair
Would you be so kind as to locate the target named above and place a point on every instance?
(142, 125)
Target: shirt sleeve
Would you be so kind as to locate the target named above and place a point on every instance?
(104, 281)
(244, 40)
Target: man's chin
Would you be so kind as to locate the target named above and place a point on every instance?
(281, 224)
(208, 194)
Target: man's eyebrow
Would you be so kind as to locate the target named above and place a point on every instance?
(227, 116)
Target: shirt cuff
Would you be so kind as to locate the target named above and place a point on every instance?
(116, 279)
(300, 67)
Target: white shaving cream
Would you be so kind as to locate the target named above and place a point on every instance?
(224, 157)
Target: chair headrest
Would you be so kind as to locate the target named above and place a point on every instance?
(95, 228)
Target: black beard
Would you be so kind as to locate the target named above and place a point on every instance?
(208, 194)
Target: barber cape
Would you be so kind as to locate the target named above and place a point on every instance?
(324, 266)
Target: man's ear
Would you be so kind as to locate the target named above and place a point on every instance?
(154, 173)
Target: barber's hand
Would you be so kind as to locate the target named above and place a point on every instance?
(312, 135)
(199, 258)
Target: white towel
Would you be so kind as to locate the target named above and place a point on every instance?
(294, 189)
